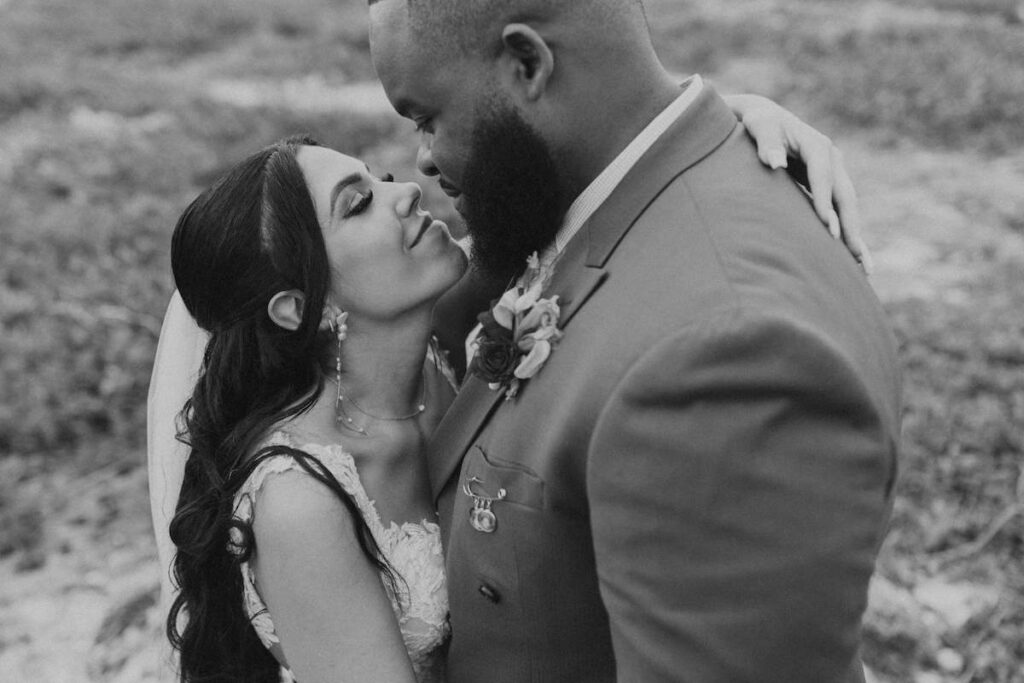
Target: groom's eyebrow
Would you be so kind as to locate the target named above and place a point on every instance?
(350, 179)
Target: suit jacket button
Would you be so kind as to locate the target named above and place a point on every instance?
(489, 593)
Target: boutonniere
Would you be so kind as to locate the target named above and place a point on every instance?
(518, 333)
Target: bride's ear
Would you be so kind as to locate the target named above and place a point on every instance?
(285, 309)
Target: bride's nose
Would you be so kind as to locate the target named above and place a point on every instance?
(409, 199)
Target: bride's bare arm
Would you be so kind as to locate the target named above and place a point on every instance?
(326, 599)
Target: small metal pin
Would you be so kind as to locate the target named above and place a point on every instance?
(481, 517)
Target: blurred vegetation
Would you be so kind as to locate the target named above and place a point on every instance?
(114, 113)
(946, 78)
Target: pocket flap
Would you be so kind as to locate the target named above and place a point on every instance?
(489, 475)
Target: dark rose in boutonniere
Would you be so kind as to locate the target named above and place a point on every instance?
(518, 333)
(496, 353)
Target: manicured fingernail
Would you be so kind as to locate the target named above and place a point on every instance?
(777, 159)
(833, 224)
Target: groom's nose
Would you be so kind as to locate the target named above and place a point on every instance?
(424, 157)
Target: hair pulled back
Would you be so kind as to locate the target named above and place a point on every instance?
(253, 234)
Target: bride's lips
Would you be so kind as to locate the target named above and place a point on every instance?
(428, 220)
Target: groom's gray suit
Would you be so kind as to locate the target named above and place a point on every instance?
(699, 477)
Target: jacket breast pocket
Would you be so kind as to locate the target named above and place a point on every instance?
(485, 478)
(524, 579)
(498, 507)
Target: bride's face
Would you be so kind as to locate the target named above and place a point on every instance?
(388, 256)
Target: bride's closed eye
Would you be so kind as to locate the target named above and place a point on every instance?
(360, 202)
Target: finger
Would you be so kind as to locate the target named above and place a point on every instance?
(845, 198)
(816, 151)
(771, 144)
(820, 177)
(776, 158)
(860, 251)
(854, 241)
(834, 228)
(848, 208)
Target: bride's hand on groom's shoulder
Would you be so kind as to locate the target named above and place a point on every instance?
(781, 137)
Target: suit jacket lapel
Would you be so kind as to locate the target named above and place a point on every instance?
(461, 424)
(476, 402)
(580, 269)
(572, 282)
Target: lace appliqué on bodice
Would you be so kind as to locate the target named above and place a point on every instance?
(413, 549)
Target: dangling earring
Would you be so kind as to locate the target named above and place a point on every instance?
(336, 322)
(333, 319)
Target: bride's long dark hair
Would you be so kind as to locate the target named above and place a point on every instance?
(251, 235)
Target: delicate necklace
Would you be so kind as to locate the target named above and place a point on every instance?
(346, 420)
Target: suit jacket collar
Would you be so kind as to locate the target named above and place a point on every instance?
(699, 131)
(580, 269)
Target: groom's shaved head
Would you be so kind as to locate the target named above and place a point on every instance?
(468, 26)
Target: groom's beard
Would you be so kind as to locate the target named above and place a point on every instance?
(511, 195)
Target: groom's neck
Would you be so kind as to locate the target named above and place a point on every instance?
(608, 112)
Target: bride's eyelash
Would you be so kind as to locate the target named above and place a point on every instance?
(365, 198)
(361, 205)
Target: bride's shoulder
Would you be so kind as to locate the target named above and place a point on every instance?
(291, 500)
(284, 454)
(291, 483)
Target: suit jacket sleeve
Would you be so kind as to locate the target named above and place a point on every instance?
(739, 479)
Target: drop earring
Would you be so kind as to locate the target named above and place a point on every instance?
(337, 323)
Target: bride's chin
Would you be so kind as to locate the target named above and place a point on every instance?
(457, 257)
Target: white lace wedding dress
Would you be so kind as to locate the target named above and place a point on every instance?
(413, 549)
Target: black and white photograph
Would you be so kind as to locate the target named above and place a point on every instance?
(512, 341)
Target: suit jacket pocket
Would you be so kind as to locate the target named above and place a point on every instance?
(488, 477)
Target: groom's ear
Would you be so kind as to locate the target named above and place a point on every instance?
(530, 58)
(285, 309)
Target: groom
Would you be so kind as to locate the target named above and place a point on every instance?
(694, 483)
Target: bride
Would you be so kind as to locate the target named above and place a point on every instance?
(304, 543)
(315, 281)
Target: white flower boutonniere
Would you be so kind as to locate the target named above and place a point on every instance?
(518, 333)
